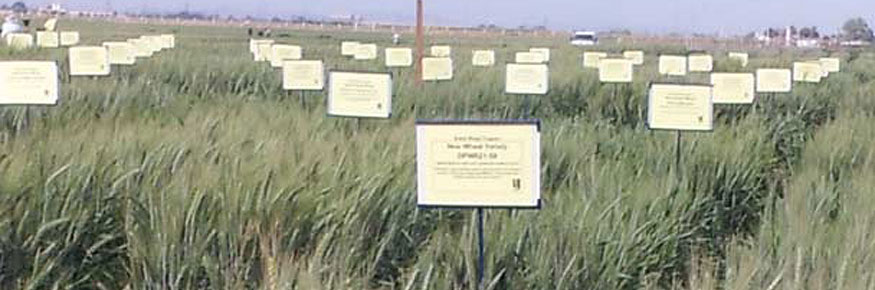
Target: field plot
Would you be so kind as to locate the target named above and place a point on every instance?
(194, 169)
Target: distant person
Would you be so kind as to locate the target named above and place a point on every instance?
(10, 25)
(250, 31)
(396, 38)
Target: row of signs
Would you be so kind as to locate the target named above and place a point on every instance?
(267, 50)
(439, 56)
(98, 60)
(44, 39)
(533, 79)
(360, 94)
(37, 82)
(810, 71)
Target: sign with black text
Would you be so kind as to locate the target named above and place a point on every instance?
(478, 164)
(527, 79)
(360, 94)
(682, 107)
(29, 83)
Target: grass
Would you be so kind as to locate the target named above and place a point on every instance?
(194, 170)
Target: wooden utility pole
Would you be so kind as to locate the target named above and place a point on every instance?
(420, 42)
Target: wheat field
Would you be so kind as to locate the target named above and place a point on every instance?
(193, 169)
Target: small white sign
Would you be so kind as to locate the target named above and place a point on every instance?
(360, 94)
(527, 79)
(303, 75)
(89, 61)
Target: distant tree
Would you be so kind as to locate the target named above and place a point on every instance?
(19, 7)
(857, 29)
(809, 32)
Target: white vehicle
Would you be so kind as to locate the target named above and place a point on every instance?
(584, 38)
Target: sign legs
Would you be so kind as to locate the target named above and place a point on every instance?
(481, 262)
(677, 155)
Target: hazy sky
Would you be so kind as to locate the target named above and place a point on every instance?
(736, 16)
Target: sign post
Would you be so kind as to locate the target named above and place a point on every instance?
(733, 89)
(481, 257)
(359, 95)
(526, 80)
(420, 42)
(436, 69)
(773, 81)
(28, 83)
(478, 164)
(616, 72)
(680, 107)
(303, 76)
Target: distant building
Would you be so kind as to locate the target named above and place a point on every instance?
(855, 43)
(807, 37)
(51, 9)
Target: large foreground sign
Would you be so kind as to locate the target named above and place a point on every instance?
(478, 163)
(28, 83)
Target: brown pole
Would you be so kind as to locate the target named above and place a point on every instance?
(420, 42)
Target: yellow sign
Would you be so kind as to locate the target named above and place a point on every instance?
(733, 88)
(349, 48)
(399, 57)
(19, 40)
(680, 107)
(441, 51)
(478, 164)
(636, 56)
(69, 38)
(303, 75)
(615, 70)
(483, 58)
(808, 71)
(591, 58)
(741, 57)
(155, 42)
(48, 39)
(263, 51)
(527, 79)
(672, 65)
(545, 52)
(365, 51)
(121, 53)
(169, 40)
(356, 94)
(283, 52)
(774, 80)
(141, 48)
(700, 63)
(529, 57)
(89, 61)
(253, 44)
(437, 69)
(831, 64)
(28, 83)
